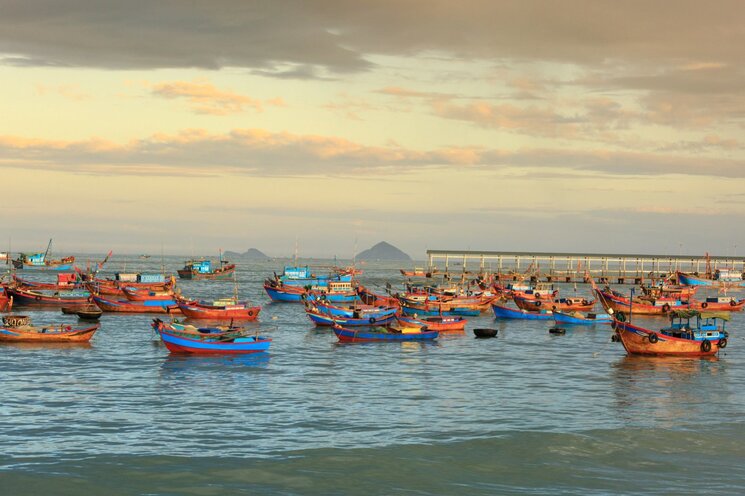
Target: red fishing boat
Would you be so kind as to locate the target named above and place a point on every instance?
(135, 294)
(127, 306)
(228, 308)
(718, 304)
(454, 323)
(65, 281)
(682, 338)
(144, 282)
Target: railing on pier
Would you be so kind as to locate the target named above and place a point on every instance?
(575, 267)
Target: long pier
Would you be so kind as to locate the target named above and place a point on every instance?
(575, 267)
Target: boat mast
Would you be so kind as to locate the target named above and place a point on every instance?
(49, 247)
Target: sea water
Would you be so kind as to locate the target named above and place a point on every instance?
(526, 413)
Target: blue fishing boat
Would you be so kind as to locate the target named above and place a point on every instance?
(425, 313)
(180, 338)
(382, 334)
(339, 292)
(322, 319)
(502, 312)
(720, 278)
(356, 311)
(41, 261)
(579, 318)
(304, 276)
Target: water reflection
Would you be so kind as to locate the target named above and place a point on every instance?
(175, 363)
(673, 389)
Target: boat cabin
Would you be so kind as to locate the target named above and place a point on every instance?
(692, 324)
(728, 275)
(339, 287)
(291, 272)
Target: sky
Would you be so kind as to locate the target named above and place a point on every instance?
(193, 126)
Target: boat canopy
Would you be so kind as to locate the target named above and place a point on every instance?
(689, 314)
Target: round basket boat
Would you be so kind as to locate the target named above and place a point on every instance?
(16, 320)
(485, 332)
(557, 330)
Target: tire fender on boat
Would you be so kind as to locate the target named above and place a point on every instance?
(538, 303)
(732, 303)
(585, 302)
(665, 308)
(653, 338)
(372, 320)
(620, 316)
(704, 305)
(537, 295)
(722, 343)
(250, 313)
(706, 346)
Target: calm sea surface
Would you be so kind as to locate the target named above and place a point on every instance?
(526, 413)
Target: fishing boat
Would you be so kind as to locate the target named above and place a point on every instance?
(223, 309)
(41, 261)
(302, 276)
(578, 318)
(48, 297)
(718, 304)
(335, 291)
(127, 306)
(181, 338)
(19, 329)
(382, 334)
(203, 269)
(140, 281)
(565, 304)
(503, 312)
(354, 310)
(719, 278)
(453, 323)
(369, 297)
(691, 333)
(324, 319)
(615, 301)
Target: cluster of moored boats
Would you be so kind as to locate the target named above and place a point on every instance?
(355, 313)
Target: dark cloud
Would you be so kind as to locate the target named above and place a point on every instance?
(338, 35)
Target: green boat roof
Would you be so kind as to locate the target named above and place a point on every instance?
(689, 313)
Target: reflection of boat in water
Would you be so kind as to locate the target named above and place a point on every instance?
(199, 364)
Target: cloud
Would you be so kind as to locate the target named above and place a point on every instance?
(204, 98)
(339, 36)
(262, 153)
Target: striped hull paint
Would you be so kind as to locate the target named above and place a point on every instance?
(365, 311)
(636, 341)
(502, 312)
(66, 267)
(359, 336)
(180, 344)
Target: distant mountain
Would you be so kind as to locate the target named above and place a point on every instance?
(383, 251)
(251, 253)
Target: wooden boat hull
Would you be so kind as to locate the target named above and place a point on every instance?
(51, 267)
(6, 301)
(126, 306)
(454, 323)
(358, 311)
(620, 304)
(293, 294)
(502, 312)
(37, 298)
(636, 341)
(52, 334)
(710, 306)
(194, 310)
(360, 336)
